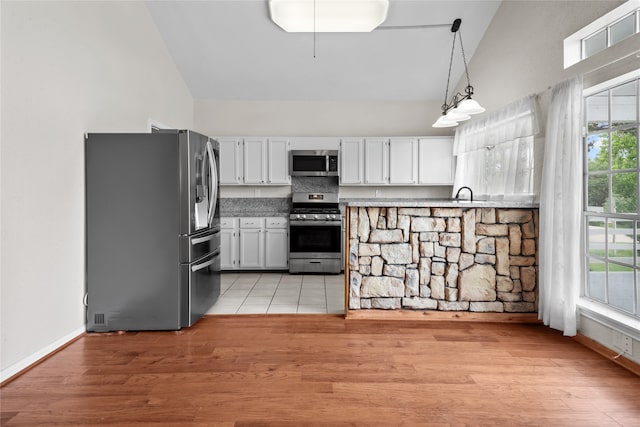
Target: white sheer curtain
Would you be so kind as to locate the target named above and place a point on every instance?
(561, 209)
(495, 154)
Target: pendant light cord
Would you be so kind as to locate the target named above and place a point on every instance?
(464, 58)
(446, 93)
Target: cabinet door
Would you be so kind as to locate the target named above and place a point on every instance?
(351, 161)
(278, 158)
(276, 248)
(376, 161)
(403, 161)
(228, 245)
(251, 248)
(230, 161)
(436, 161)
(255, 161)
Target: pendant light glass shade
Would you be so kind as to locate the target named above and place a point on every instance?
(454, 115)
(328, 16)
(443, 122)
(470, 106)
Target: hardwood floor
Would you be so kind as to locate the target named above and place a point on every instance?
(323, 370)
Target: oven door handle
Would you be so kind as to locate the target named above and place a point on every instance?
(315, 223)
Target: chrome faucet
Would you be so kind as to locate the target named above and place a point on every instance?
(470, 193)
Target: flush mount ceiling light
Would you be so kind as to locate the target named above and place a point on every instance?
(461, 106)
(328, 16)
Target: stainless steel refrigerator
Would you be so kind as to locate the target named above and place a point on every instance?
(152, 229)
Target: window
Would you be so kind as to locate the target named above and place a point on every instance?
(606, 31)
(612, 221)
(611, 34)
(495, 154)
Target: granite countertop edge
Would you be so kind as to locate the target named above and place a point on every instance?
(252, 214)
(439, 203)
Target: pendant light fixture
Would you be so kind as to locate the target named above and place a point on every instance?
(461, 107)
(328, 16)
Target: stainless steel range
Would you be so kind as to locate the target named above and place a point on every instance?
(315, 233)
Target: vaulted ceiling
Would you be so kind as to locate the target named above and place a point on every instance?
(231, 50)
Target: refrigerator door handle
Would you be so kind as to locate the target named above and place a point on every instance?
(198, 267)
(199, 240)
(213, 176)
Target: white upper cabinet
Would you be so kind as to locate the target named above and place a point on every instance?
(231, 161)
(278, 161)
(351, 161)
(436, 161)
(380, 161)
(254, 161)
(363, 161)
(376, 161)
(403, 161)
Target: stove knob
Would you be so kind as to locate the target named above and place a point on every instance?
(316, 216)
(304, 216)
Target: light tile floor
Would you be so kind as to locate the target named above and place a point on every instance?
(262, 293)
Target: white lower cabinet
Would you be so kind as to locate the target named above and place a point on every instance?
(254, 243)
(251, 242)
(276, 243)
(229, 256)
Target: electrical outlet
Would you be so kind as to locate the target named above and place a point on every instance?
(627, 345)
(622, 343)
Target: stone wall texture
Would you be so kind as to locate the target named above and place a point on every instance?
(448, 259)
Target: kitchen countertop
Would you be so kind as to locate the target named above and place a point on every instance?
(439, 203)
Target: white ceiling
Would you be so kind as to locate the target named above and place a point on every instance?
(231, 50)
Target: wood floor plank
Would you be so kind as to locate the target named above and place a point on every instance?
(286, 371)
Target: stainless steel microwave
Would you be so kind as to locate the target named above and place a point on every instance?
(313, 162)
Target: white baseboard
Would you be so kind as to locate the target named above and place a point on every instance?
(10, 371)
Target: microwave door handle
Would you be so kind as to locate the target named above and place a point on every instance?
(198, 267)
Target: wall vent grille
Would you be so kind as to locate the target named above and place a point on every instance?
(98, 318)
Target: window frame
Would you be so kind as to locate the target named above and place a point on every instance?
(588, 215)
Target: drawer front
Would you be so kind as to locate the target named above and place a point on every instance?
(277, 222)
(194, 247)
(228, 222)
(252, 222)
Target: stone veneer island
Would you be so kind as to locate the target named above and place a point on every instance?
(452, 256)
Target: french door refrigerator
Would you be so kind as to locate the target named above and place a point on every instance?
(152, 229)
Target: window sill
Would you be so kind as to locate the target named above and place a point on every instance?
(604, 314)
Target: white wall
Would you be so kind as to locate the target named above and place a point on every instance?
(522, 51)
(67, 68)
(254, 118)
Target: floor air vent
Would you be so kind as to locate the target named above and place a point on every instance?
(98, 318)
